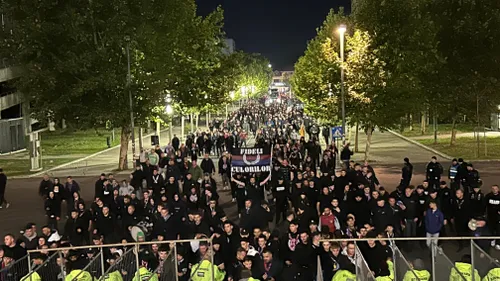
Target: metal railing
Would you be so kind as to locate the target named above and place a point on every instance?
(127, 261)
(16, 269)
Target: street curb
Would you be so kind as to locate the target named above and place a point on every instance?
(440, 154)
(79, 160)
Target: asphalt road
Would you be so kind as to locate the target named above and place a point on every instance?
(27, 206)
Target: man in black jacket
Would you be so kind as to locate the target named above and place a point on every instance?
(406, 174)
(3, 186)
(434, 170)
(175, 142)
(269, 267)
(207, 165)
(166, 225)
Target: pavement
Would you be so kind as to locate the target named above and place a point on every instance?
(387, 153)
(386, 148)
(489, 134)
(106, 161)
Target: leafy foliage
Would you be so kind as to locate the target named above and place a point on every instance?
(317, 72)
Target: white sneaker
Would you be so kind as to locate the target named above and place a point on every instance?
(493, 243)
(7, 205)
(497, 247)
(234, 200)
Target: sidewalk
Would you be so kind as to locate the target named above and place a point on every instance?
(489, 134)
(387, 148)
(106, 161)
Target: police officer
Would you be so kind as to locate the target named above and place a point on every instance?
(434, 170)
(464, 268)
(453, 174)
(418, 272)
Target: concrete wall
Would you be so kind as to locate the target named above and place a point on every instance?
(10, 100)
(9, 73)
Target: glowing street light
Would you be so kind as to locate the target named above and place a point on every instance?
(341, 30)
(270, 65)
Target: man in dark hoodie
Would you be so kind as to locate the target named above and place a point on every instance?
(3, 186)
(29, 240)
(406, 174)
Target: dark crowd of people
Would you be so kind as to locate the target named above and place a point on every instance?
(314, 193)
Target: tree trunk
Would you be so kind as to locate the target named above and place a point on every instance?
(182, 128)
(124, 140)
(411, 122)
(423, 123)
(141, 145)
(453, 139)
(356, 142)
(197, 119)
(207, 116)
(191, 118)
(435, 127)
(369, 134)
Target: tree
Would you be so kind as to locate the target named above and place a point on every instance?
(404, 35)
(467, 36)
(316, 75)
(75, 58)
(370, 100)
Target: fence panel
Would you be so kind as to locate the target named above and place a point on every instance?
(16, 270)
(126, 266)
(443, 266)
(402, 268)
(47, 271)
(363, 272)
(167, 267)
(205, 250)
(482, 261)
(94, 267)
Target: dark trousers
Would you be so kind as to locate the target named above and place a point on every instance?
(433, 184)
(2, 197)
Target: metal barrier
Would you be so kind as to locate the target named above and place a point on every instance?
(363, 271)
(104, 261)
(127, 261)
(443, 268)
(16, 269)
(204, 252)
(124, 266)
(482, 262)
(48, 270)
(94, 266)
(403, 270)
(167, 265)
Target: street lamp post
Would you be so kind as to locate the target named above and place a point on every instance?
(342, 29)
(129, 86)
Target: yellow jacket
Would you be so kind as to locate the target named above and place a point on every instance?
(203, 272)
(113, 276)
(343, 275)
(78, 275)
(417, 275)
(493, 275)
(465, 269)
(32, 276)
(144, 274)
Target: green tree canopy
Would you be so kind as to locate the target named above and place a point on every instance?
(316, 75)
(75, 58)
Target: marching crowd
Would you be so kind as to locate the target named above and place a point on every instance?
(285, 219)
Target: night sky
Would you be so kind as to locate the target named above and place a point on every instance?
(278, 29)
